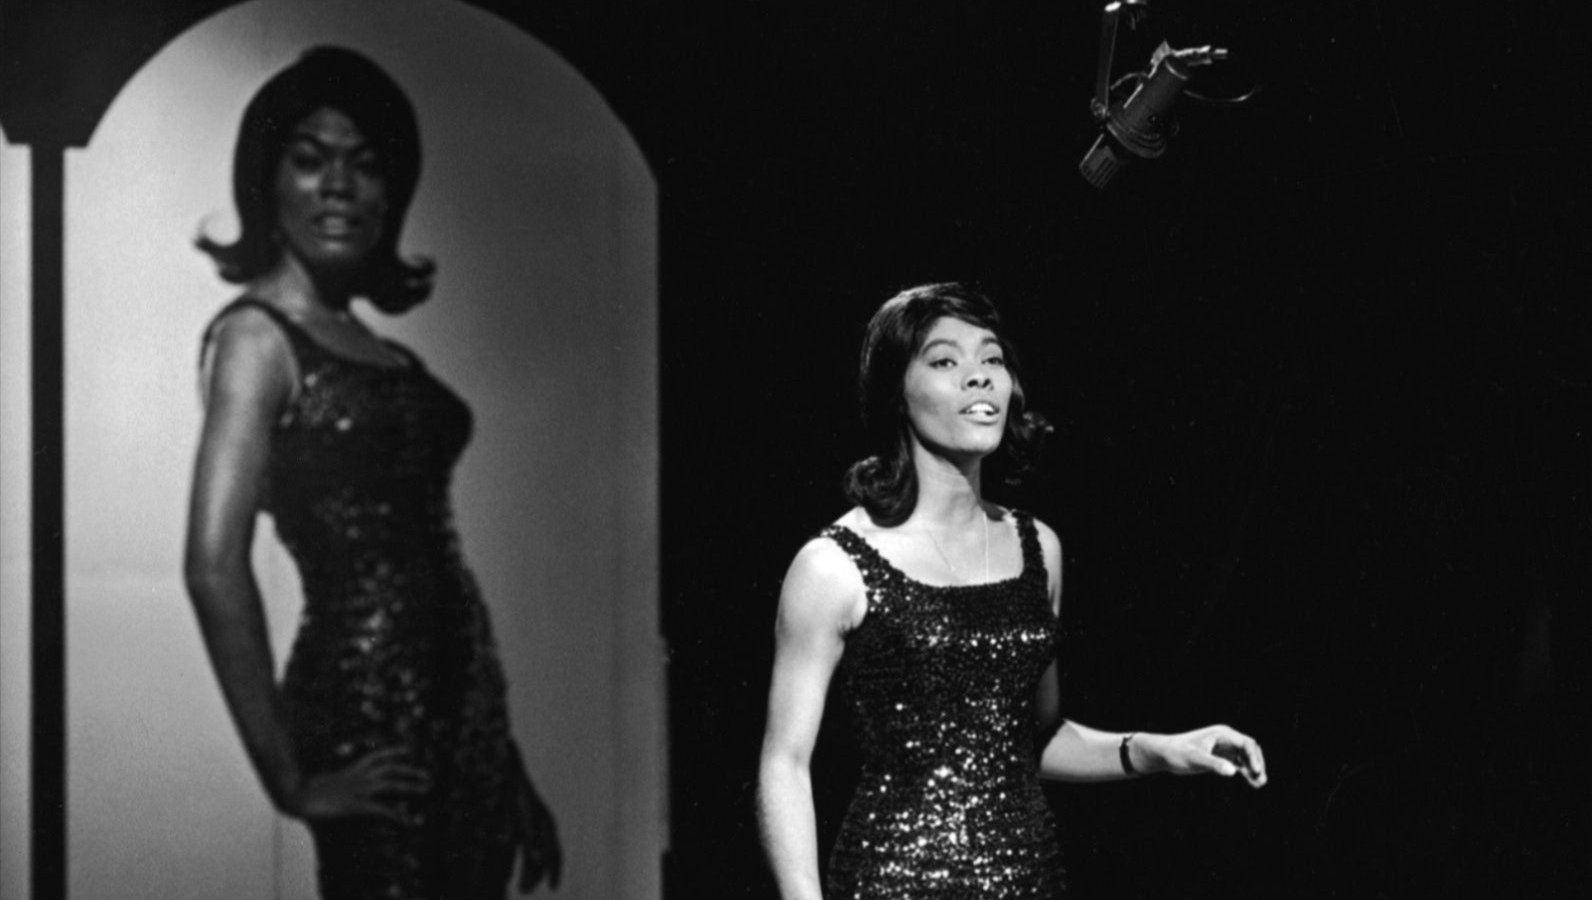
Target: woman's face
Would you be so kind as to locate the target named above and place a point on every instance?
(331, 198)
(957, 390)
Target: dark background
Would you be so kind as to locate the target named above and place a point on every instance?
(1319, 378)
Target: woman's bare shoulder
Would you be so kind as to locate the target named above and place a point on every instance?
(245, 327)
(1048, 540)
(823, 582)
(246, 355)
(857, 520)
(824, 562)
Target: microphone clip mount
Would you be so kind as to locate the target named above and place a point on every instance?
(1136, 127)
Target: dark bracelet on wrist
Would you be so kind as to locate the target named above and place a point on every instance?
(1122, 753)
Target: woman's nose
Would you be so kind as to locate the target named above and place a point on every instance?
(337, 180)
(978, 378)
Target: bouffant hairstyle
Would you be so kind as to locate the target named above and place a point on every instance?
(884, 483)
(340, 79)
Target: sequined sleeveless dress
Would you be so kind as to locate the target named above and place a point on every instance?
(394, 648)
(941, 684)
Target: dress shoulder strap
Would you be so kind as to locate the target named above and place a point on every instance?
(864, 556)
(1028, 535)
(410, 357)
(858, 549)
(877, 573)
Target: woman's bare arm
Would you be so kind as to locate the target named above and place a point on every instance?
(246, 384)
(821, 600)
(1080, 753)
(1076, 752)
(1047, 698)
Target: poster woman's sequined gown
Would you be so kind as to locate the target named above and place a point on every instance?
(394, 648)
(941, 682)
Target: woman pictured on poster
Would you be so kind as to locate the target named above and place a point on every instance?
(388, 735)
(939, 611)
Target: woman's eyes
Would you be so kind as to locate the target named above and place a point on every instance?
(946, 362)
(308, 159)
(304, 159)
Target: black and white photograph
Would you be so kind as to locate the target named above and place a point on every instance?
(940, 451)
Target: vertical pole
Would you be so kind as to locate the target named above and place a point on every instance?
(48, 532)
(1101, 107)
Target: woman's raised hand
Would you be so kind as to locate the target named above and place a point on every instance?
(1214, 748)
(369, 786)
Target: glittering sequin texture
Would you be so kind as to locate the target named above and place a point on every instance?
(394, 648)
(941, 682)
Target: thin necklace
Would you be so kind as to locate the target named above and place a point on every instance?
(947, 560)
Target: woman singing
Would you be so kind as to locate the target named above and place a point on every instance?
(939, 610)
(388, 735)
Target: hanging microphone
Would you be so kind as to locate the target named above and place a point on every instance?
(1137, 126)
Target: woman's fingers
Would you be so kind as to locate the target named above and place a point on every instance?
(375, 784)
(336, 801)
(1218, 760)
(403, 779)
(536, 837)
(368, 786)
(385, 771)
(550, 870)
(1242, 752)
(555, 861)
(379, 809)
(530, 873)
(541, 858)
(1255, 770)
(1253, 762)
(377, 758)
(536, 864)
(1257, 760)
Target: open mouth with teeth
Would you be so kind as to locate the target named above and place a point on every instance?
(982, 410)
(333, 225)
